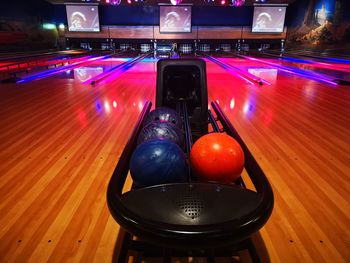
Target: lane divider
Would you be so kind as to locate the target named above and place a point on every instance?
(54, 71)
(300, 72)
(250, 78)
(128, 64)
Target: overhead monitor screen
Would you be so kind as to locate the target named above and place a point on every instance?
(269, 19)
(83, 18)
(175, 19)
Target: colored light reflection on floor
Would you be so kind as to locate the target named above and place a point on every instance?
(54, 71)
(85, 73)
(296, 71)
(337, 60)
(310, 65)
(265, 73)
(242, 72)
(118, 59)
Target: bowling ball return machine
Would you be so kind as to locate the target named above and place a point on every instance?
(193, 219)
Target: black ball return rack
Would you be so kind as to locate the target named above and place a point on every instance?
(194, 219)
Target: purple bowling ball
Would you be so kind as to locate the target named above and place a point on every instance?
(161, 130)
(164, 114)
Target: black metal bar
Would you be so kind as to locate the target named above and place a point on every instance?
(166, 255)
(213, 122)
(151, 250)
(188, 133)
(210, 256)
(216, 128)
(123, 255)
(252, 252)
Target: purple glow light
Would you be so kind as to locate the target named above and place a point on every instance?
(54, 71)
(298, 72)
(175, 2)
(238, 3)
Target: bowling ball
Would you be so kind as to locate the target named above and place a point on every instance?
(158, 162)
(161, 130)
(164, 114)
(217, 157)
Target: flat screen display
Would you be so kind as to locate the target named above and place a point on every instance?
(175, 19)
(83, 18)
(269, 19)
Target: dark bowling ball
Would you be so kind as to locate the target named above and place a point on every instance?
(164, 114)
(161, 130)
(158, 162)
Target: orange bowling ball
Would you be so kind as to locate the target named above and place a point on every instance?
(217, 157)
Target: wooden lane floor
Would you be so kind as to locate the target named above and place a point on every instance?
(60, 141)
(298, 130)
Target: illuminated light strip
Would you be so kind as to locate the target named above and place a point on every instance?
(232, 71)
(317, 64)
(126, 64)
(336, 60)
(331, 66)
(295, 71)
(250, 78)
(310, 62)
(54, 71)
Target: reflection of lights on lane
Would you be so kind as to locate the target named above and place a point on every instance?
(309, 92)
(82, 118)
(267, 117)
(225, 104)
(264, 73)
(86, 73)
(297, 71)
(232, 103)
(248, 107)
(140, 105)
(98, 107)
(107, 107)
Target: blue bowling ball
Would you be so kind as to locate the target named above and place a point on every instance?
(164, 114)
(158, 162)
(161, 130)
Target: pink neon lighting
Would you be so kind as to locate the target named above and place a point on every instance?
(292, 71)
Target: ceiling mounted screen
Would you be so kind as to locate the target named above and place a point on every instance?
(83, 18)
(175, 19)
(269, 19)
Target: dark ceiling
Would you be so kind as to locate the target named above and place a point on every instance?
(152, 2)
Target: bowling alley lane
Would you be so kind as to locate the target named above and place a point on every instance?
(265, 72)
(82, 130)
(306, 66)
(90, 70)
(267, 68)
(329, 69)
(262, 114)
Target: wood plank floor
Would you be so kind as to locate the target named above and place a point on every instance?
(60, 141)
